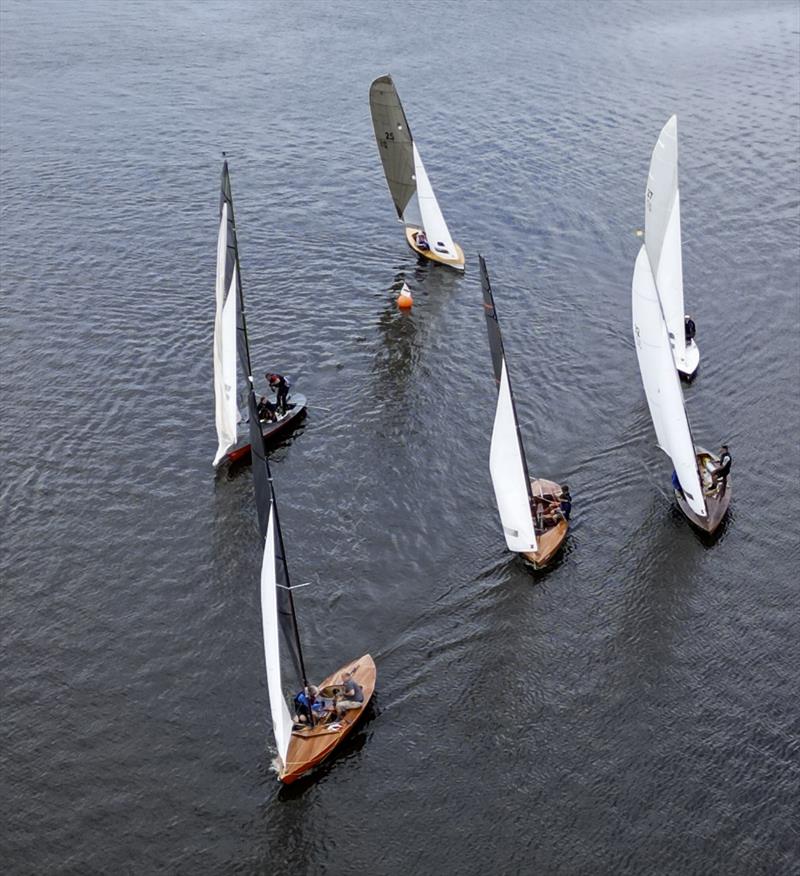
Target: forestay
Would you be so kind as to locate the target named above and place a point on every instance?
(662, 384)
(433, 222)
(662, 235)
(507, 463)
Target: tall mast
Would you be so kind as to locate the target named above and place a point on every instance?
(265, 499)
(499, 358)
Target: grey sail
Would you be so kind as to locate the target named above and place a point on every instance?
(395, 143)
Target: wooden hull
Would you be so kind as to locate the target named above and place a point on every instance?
(717, 500)
(275, 430)
(552, 538)
(456, 263)
(310, 746)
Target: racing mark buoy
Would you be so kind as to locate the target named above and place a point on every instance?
(404, 299)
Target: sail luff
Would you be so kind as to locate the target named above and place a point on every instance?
(661, 382)
(662, 234)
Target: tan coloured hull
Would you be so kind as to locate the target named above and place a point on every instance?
(717, 501)
(457, 263)
(552, 538)
(309, 747)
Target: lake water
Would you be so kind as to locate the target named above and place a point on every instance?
(634, 709)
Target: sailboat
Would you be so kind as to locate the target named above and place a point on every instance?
(701, 495)
(662, 239)
(531, 513)
(300, 746)
(230, 346)
(417, 208)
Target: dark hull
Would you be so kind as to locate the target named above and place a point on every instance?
(273, 431)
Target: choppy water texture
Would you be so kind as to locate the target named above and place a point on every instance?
(634, 710)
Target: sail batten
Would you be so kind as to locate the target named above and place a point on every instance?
(661, 382)
(507, 463)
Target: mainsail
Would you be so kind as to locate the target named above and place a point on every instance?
(662, 384)
(408, 181)
(282, 651)
(230, 329)
(507, 464)
(662, 235)
(395, 144)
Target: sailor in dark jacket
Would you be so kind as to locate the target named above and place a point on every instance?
(690, 329)
(280, 386)
(723, 468)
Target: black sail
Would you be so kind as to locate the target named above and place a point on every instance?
(499, 358)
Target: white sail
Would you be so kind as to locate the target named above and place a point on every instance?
(433, 222)
(508, 473)
(662, 384)
(281, 719)
(662, 235)
(226, 410)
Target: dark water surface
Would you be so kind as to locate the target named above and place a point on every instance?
(634, 710)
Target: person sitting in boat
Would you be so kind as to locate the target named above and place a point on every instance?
(352, 694)
(546, 511)
(266, 410)
(422, 240)
(723, 468)
(280, 386)
(303, 704)
(676, 484)
(690, 329)
(565, 505)
(309, 703)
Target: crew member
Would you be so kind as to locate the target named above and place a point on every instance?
(690, 328)
(566, 501)
(723, 468)
(352, 693)
(280, 386)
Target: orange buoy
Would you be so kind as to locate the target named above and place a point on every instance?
(404, 299)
